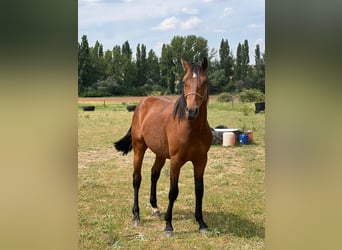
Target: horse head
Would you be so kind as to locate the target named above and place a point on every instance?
(195, 87)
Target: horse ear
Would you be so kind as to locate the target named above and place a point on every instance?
(185, 65)
(204, 64)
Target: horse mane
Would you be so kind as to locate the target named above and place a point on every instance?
(179, 108)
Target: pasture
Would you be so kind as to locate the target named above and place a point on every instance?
(234, 188)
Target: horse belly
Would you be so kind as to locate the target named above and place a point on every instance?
(155, 138)
(157, 143)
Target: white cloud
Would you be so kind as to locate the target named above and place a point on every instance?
(95, 13)
(253, 26)
(227, 12)
(167, 24)
(188, 11)
(191, 23)
(175, 23)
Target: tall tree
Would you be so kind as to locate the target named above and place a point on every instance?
(153, 69)
(245, 60)
(108, 61)
(84, 66)
(257, 55)
(115, 72)
(178, 52)
(241, 66)
(238, 63)
(117, 65)
(128, 67)
(259, 69)
(226, 61)
(190, 48)
(141, 64)
(166, 69)
(97, 62)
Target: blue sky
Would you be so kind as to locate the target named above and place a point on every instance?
(154, 22)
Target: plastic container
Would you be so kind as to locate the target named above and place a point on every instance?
(243, 138)
(250, 135)
(228, 139)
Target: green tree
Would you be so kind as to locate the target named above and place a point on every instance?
(255, 78)
(84, 66)
(166, 69)
(108, 61)
(241, 68)
(245, 59)
(128, 69)
(141, 64)
(190, 48)
(259, 69)
(226, 62)
(116, 65)
(114, 72)
(153, 69)
(98, 62)
(238, 63)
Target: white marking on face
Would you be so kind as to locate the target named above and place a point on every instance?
(194, 75)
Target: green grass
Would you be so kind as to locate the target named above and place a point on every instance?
(233, 203)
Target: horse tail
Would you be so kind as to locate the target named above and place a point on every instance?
(124, 145)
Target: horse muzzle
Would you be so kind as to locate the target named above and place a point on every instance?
(191, 113)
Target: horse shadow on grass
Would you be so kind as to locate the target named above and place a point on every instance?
(221, 223)
(229, 223)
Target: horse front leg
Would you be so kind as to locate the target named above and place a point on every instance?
(175, 166)
(199, 191)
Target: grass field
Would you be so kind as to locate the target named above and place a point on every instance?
(234, 189)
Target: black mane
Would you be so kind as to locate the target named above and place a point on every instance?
(179, 108)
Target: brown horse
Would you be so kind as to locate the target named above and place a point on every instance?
(178, 131)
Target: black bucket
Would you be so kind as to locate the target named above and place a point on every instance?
(259, 106)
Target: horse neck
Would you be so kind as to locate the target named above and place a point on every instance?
(203, 113)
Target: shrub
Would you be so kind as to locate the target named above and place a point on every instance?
(252, 95)
(247, 109)
(224, 97)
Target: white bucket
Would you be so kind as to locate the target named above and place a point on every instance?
(228, 139)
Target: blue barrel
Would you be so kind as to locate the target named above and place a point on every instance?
(243, 138)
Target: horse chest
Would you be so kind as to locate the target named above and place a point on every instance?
(189, 144)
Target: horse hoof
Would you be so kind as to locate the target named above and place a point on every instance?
(156, 214)
(204, 230)
(169, 234)
(135, 223)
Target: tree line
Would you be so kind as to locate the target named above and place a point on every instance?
(115, 72)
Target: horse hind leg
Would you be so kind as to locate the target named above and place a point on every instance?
(155, 174)
(139, 152)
